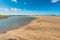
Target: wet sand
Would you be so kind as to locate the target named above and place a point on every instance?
(42, 28)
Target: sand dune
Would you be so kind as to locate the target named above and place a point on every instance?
(42, 28)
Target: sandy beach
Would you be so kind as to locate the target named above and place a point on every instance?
(42, 28)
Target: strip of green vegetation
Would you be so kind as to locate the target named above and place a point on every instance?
(3, 16)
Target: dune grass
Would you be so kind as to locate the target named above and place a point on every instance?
(3, 16)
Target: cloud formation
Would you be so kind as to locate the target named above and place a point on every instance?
(14, 1)
(55, 1)
(14, 11)
(11, 9)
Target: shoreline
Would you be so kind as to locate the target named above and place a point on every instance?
(42, 28)
(3, 32)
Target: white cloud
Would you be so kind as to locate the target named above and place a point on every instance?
(14, 11)
(24, 9)
(25, 3)
(54, 1)
(12, 8)
(14, 1)
(11, 11)
(6, 9)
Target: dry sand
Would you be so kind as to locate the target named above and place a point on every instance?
(42, 28)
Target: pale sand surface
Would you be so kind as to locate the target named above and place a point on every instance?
(42, 28)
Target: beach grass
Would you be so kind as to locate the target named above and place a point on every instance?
(3, 16)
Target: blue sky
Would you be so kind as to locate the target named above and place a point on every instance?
(30, 7)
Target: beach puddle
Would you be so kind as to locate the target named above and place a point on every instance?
(13, 22)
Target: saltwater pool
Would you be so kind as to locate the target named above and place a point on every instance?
(14, 21)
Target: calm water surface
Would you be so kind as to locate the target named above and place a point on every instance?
(14, 21)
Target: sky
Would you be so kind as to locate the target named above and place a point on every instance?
(29, 7)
